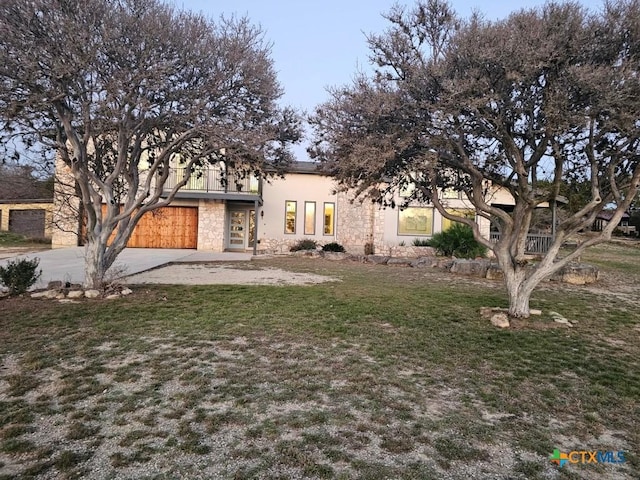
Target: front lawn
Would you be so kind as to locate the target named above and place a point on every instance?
(389, 374)
(11, 240)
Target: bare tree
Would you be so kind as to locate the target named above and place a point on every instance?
(122, 89)
(545, 97)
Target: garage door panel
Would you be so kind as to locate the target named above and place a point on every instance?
(167, 227)
(28, 222)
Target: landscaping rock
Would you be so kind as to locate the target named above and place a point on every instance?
(494, 272)
(335, 256)
(42, 294)
(75, 294)
(53, 294)
(401, 262)
(92, 293)
(377, 259)
(67, 300)
(126, 291)
(560, 319)
(577, 274)
(425, 262)
(500, 320)
(306, 253)
(535, 311)
(113, 296)
(445, 264)
(471, 268)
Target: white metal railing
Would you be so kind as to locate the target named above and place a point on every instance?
(536, 243)
(214, 180)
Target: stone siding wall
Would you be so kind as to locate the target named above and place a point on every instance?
(211, 225)
(66, 209)
(355, 223)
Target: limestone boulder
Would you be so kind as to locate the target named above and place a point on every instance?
(378, 259)
(500, 320)
(471, 268)
(425, 262)
(577, 274)
(335, 256)
(494, 272)
(92, 293)
(400, 261)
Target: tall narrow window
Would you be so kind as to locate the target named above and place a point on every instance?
(309, 218)
(290, 217)
(329, 218)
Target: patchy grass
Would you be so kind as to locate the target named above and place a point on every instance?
(11, 240)
(390, 373)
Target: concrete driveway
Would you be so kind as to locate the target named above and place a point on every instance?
(67, 264)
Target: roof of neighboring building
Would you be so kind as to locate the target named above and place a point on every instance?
(607, 214)
(305, 167)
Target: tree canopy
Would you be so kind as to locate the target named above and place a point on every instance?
(545, 97)
(121, 89)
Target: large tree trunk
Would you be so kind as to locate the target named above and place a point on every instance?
(95, 265)
(519, 292)
(519, 295)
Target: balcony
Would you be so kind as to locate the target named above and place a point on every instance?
(215, 183)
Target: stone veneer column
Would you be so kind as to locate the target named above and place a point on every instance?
(66, 208)
(211, 225)
(354, 222)
(379, 215)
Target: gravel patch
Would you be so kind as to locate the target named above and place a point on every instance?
(232, 274)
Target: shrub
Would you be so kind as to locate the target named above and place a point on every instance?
(19, 275)
(333, 247)
(420, 242)
(368, 248)
(457, 241)
(304, 244)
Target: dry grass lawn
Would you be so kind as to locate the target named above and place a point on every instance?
(390, 373)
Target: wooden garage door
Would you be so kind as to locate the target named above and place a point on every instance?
(168, 227)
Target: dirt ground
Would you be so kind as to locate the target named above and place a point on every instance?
(226, 273)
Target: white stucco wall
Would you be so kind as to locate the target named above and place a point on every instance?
(301, 188)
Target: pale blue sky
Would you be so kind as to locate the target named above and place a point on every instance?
(317, 44)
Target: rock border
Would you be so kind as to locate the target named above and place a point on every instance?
(72, 293)
(572, 274)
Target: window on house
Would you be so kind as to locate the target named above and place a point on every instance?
(460, 212)
(254, 184)
(450, 193)
(415, 221)
(309, 218)
(290, 217)
(329, 218)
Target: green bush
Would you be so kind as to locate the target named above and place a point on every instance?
(420, 242)
(19, 275)
(333, 247)
(304, 244)
(457, 241)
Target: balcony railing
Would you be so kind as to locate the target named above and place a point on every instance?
(214, 180)
(536, 243)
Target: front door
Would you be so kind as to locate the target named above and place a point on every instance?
(241, 229)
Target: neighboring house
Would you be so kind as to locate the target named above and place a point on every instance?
(603, 219)
(29, 217)
(270, 216)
